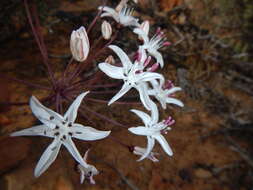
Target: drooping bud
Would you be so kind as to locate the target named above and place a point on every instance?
(106, 30)
(140, 151)
(79, 44)
(110, 60)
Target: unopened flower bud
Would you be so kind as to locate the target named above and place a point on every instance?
(110, 60)
(106, 30)
(140, 151)
(79, 44)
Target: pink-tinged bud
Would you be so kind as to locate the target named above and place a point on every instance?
(110, 60)
(158, 30)
(106, 30)
(166, 43)
(153, 68)
(139, 56)
(168, 84)
(79, 44)
(169, 121)
(147, 61)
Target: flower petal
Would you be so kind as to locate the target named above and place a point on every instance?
(71, 114)
(149, 76)
(39, 130)
(143, 131)
(174, 101)
(150, 146)
(172, 90)
(88, 133)
(154, 113)
(82, 177)
(68, 143)
(164, 144)
(47, 157)
(44, 114)
(125, 88)
(111, 71)
(109, 10)
(158, 56)
(144, 117)
(127, 64)
(146, 101)
(142, 34)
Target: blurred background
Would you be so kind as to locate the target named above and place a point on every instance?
(210, 58)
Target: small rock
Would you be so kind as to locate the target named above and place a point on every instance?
(202, 173)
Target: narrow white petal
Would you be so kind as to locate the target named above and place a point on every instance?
(172, 90)
(144, 131)
(108, 10)
(88, 133)
(71, 114)
(68, 143)
(127, 64)
(151, 143)
(144, 117)
(149, 76)
(142, 34)
(158, 56)
(82, 177)
(44, 114)
(125, 88)
(154, 113)
(39, 130)
(164, 144)
(163, 103)
(111, 71)
(174, 101)
(47, 157)
(146, 101)
(85, 157)
(154, 84)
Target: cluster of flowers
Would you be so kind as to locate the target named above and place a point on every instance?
(138, 74)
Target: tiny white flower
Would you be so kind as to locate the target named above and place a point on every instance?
(61, 129)
(131, 74)
(79, 44)
(123, 17)
(140, 151)
(164, 93)
(153, 130)
(87, 172)
(106, 30)
(152, 45)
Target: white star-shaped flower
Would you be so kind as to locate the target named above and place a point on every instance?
(61, 129)
(140, 151)
(153, 130)
(132, 75)
(164, 92)
(123, 16)
(87, 172)
(152, 45)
